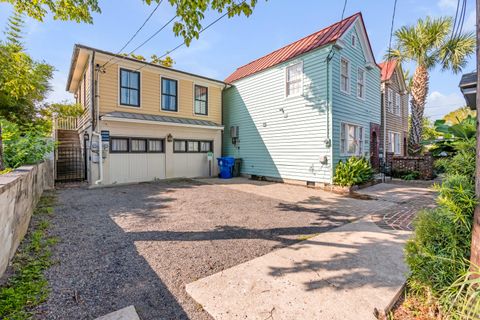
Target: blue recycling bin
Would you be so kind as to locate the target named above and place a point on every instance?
(226, 166)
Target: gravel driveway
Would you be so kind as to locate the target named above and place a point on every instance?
(141, 244)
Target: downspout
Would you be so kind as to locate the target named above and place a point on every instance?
(97, 125)
(329, 101)
(384, 121)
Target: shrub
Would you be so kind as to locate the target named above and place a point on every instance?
(23, 146)
(457, 195)
(437, 250)
(354, 171)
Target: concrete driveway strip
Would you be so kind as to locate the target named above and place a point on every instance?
(343, 273)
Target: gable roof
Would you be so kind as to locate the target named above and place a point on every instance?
(387, 69)
(315, 40)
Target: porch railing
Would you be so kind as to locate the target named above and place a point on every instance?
(66, 123)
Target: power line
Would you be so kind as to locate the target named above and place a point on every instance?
(183, 43)
(136, 32)
(389, 55)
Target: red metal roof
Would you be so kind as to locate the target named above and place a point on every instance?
(387, 67)
(311, 42)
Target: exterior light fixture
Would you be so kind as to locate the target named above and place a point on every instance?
(86, 136)
(169, 137)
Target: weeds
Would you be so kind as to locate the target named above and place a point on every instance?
(27, 287)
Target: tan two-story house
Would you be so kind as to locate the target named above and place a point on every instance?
(394, 123)
(143, 121)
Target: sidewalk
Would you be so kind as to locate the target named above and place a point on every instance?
(344, 273)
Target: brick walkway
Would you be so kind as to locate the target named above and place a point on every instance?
(409, 200)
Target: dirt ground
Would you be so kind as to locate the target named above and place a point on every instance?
(141, 244)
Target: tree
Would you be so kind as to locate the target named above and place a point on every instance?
(23, 81)
(428, 44)
(167, 62)
(190, 12)
(457, 116)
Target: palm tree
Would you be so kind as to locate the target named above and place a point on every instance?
(428, 44)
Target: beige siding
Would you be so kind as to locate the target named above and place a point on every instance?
(394, 122)
(150, 93)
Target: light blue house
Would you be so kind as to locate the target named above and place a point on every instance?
(294, 113)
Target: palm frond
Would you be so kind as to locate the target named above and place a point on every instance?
(454, 52)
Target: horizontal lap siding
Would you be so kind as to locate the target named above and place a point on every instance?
(347, 107)
(285, 147)
(150, 94)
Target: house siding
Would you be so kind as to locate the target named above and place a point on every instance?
(349, 108)
(281, 137)
(150, 92)
(395, 123)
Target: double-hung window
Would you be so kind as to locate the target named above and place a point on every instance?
(201, 100)
(129, 88)
(351, 139)
(169, 94)
(397, 109)
(361, 83)
(389, 100)
(344, 75)
(294, 80)
(394, 142)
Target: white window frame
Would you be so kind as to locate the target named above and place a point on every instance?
(287, 82)
(392, 144)
(389, 100)
(364, 91)
(397, 106)
(348, 75)
(359, 132)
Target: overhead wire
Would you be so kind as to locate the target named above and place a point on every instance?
(136, 32)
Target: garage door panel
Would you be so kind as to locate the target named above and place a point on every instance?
(190, 165)
(136, 167)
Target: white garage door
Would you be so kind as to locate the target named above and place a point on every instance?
(132, 167)
(190, 165)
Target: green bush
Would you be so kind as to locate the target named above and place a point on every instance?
(354, 171)
(28, 145)
(436, 252)
(457, 195)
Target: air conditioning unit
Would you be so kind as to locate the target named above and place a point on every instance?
(234, 133)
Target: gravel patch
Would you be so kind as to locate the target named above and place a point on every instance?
(141, 244)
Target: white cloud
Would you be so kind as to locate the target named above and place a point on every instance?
(447, 5)
(439, 104)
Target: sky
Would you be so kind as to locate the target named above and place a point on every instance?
(231, 43)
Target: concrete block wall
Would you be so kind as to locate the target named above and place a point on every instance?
(20, 191)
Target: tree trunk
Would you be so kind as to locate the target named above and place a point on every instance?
(419, 96)
(2, 165)
(475, 248)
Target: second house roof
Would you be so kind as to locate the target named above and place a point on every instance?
(320, 38)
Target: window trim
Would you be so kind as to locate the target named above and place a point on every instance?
(193, 140)
(398, 102)
(388, 100)
(287, 96)
(195, 85)
(129, 144)
(392, 143)
(348, 76)
(361, 139)
(364, 83)
(136, 106)
(161, 94)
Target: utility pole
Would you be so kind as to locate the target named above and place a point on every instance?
(475, 250)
